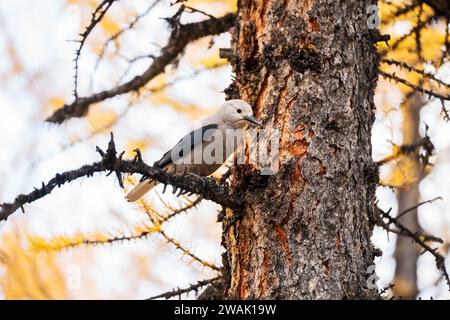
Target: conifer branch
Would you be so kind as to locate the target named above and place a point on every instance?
(178, 292)
(111, 163)
(181, 36)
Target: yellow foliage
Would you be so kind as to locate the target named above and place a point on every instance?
(99, 118)
(404, 173)
(17, 66)
(30, 268)
(432, 36)
(396, 150)
(229, 5)
(232, 4)
(109, 25)
(161, 98)
(55, 102)
(130, 180)
(69, 2)
(135, 144)
(387, 11)
(432, 40)
(24, 274)
(158, 82)
(213, 61)
(58, 243)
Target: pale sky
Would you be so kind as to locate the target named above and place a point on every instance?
(32, 150)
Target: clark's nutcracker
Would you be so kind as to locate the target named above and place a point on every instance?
(206, 147)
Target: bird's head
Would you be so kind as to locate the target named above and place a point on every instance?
(238, 114)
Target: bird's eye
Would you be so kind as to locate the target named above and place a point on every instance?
(239, 111)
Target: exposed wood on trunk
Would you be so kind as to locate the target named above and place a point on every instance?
(310, 71)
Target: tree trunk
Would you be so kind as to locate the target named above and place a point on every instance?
(309, 70)
(406, 254)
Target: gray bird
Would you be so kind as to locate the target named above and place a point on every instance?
(206, 147)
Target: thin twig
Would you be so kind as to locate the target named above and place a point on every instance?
(413, 86)
(400, 40)
(97, 16)
(178, 40)
(406, 149)
(178, 292)
(185, 208)
(420, 240)
(110, 162)
(116, 35)
(61, 242)
(188, 252)
(414, 69)
(417, 206)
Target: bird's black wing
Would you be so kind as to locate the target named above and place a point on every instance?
(188, 142)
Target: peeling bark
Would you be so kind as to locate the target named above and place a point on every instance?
(310, 71)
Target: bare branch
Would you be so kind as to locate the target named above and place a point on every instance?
(116, 35)
(174, 212)
(178, 292)
(69, 242)
(416, 206)
(420, 240)
(178, 40)
(413, 86)
(386, 289)
(192, 10)
(140, 97)
(110, 162)
(97, 16)
(411, 68)
(188, 252)
(175, 243)
(406, 149)
(400, 40)
(407, 8)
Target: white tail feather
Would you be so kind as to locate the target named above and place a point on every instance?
(141, 189)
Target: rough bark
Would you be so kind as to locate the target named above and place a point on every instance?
(406, 254)
(309, 69)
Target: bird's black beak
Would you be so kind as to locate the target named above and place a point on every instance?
(253, 120)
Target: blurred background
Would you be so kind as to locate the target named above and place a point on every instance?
(42, 254)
